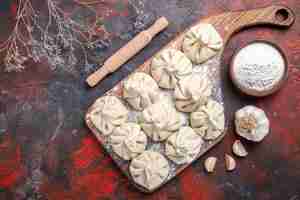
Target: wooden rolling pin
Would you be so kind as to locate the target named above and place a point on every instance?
(128, 51)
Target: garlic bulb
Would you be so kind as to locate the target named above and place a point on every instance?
(183, 146)
(169, 66)
(140, 90)
(209, 120)
(252, 123)
(160, 120)
(201, 43)
(192, 92)
(128, 140)
(109, 112)
(150, 169)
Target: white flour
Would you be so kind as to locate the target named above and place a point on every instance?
(259, 66)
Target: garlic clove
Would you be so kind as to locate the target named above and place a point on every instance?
(210, 164)
(239, 149)
(230, 163)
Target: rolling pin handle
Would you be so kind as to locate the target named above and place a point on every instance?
(97, 76)
(159, 25)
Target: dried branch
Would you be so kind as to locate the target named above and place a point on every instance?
(54, 37)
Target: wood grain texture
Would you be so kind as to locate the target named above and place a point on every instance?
(233, 22)
(56, 157)
(226, 24)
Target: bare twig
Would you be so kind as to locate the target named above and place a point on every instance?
(55, 39)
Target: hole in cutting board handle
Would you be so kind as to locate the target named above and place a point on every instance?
(284, 16)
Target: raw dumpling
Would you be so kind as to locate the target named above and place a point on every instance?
(209, 120)
(108, 113)
(201, 43)
(192, 92)
(128, 141)
(150, 169)
(161, 120)
(252, 123)
(140, 90)
(169, 66)
(183, 146)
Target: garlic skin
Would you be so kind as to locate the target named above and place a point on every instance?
(191, 92)
(209, 120)
(201, 43)
(109, 112)
(252, 123)
(128, 141)
(150, 169)
(169, 66)
(140, 91)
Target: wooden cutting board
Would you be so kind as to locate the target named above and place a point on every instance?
(226, 24)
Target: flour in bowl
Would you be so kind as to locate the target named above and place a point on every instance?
(259, 66)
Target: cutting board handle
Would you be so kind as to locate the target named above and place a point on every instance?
(277, 15)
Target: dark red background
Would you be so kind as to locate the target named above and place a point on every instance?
(47, 152)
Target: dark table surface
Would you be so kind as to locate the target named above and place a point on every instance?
(47, 152)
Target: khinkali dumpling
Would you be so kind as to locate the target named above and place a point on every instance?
(201, 43)
(192, 92)
(209, 120)
(108, 113)
(150, 169)
(128, 140)
(140, 90)
(183, 146)
(160, 120)
(169, 66)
